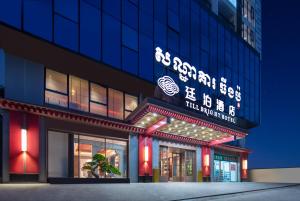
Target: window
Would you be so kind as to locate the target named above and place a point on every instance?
(98, 99)
(78, 94)
(116, 154)
(85, 147)
(115, 104)
(131, 103)
(56, 92)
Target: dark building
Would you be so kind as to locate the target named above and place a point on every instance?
(164, 90)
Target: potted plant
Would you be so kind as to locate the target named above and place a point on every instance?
(100, 162)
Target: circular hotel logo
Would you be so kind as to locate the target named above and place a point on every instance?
(168, 85)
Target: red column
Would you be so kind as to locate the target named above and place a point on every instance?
(244, 166)
(32, 162)
(28, 161)
(16, 157)
(145, 163)
(205, 161)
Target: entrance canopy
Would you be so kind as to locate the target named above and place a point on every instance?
(165, 120)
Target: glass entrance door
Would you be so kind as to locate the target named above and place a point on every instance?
(175, 164)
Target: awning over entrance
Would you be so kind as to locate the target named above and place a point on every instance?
(165, 120)
(152, 117)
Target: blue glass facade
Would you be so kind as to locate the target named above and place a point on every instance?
(124, 34)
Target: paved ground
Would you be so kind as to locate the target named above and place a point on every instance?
(150, 191)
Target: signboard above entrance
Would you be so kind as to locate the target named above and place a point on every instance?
(187, 72)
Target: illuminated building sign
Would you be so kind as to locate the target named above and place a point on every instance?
(168, 85)
(188, 72)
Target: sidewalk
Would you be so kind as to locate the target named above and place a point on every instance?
(128, 192)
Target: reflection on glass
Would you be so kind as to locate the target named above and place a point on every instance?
(78, 94)
(98, 109)
(233, 171)
(98, 94)
(164, 161)
(56, 81)
(76, 156)
(56, 88)
(176, 160)
(225, 170)
(189, 163)
(56, 98)
(127, 114)
(116, 153)
(98, 100)
(115, 104)
(130, 102)
(85, 147)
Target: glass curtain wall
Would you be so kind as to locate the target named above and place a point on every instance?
(85, 147)
(56, 91)
(225, 169)
(189, 163)
(61, 157)
(176, 164)
(78, 94)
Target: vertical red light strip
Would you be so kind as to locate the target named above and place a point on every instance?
(16, 157)
(244, 170)
(23, 162)
(145, 167)
(205, 156)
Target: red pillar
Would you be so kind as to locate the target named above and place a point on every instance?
(244, 166)
(145, 163)
(26, 162)
(206, 162)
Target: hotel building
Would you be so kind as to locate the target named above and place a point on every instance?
(166, 90)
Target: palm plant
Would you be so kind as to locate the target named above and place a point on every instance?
(100, 162)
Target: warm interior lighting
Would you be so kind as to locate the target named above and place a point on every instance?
(183, 127)
(23, 139)
(206, 160)
(146, 154)
(245, 164)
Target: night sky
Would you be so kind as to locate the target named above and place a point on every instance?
(276, 143)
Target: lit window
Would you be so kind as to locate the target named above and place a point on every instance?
(131, 103)
(56, 92)
(116, 156)
(115, 104)
(78, 94)
(98, 99)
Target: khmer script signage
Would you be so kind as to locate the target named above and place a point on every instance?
(188, 72)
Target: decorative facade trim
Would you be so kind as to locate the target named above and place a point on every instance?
(69, 116)
(182, 117)
(93, 121)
